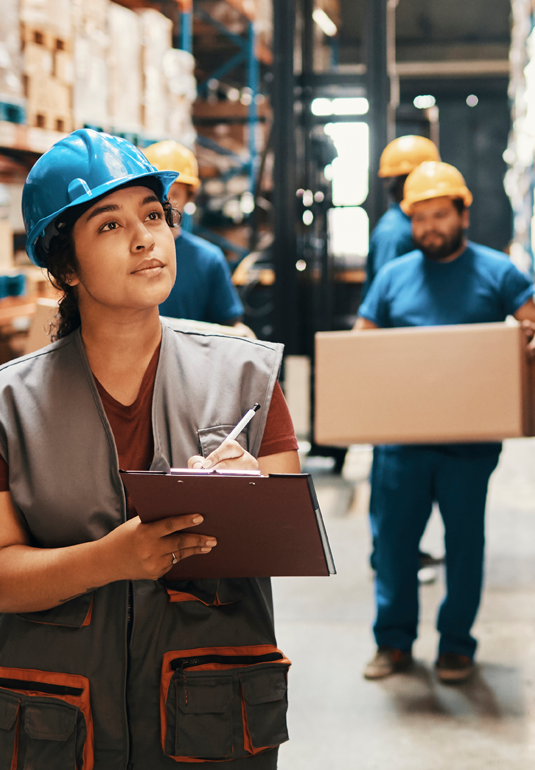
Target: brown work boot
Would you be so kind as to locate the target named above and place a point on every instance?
(453, 668)
(387, 660)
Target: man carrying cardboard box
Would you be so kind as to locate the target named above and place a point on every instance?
(447, 280)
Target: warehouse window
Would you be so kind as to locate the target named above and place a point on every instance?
(348, 222)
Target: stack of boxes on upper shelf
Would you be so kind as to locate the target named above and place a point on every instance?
(12, 102)
(95, 63)
(46, 34)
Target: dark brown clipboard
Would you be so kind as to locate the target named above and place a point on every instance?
(266, 526)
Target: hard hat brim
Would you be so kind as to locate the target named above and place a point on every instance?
(166, 179)
(464, 194)
(186, 179)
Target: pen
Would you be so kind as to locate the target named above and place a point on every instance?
(244, 422)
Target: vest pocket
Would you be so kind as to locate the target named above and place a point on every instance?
(9, 729)
(265, 702)
(49, 731)
(48, 719)
(211, 438)
(223, 703)
(74, 614)
(202, 717)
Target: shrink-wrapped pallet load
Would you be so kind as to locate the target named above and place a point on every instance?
(125, 74)
(178, 67)
(12, 102)
(156, 40)
(91, 48)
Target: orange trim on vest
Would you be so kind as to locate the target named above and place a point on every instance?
(167, 675)
(182, 596)
(81, 702)
(89, 615)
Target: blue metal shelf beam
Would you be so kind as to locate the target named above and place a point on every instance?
(247, 54)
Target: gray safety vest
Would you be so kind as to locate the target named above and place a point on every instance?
(72, 672)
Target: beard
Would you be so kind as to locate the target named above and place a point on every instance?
(443, 249)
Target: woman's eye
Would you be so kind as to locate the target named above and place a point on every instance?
(154, 216)
(109, 226)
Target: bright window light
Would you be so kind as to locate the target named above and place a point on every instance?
(348, 232)
(357, 105)
(472, 100)
(326, 24)
(321, 107)
(424, 102)
(350, 169)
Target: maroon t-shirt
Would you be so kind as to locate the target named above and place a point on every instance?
(132, 427)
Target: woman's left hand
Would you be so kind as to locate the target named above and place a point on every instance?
(230, 456)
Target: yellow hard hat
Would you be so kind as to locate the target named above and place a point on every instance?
(172, 156)
(434, 180)
(403, 155)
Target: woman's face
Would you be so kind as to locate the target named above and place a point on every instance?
(125, 252)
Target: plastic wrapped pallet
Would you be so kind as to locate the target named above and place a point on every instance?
(11, 89)
(181, 87)
(125, 70)
(156, 39)
(91, 47)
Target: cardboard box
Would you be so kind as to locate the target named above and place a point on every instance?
(437, 384)
(39, 334)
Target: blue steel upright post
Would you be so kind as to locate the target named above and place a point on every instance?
(253, 76)
(185, 38)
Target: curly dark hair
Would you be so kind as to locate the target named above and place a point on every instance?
(61, 263)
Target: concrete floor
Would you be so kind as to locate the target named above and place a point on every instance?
(339, 721)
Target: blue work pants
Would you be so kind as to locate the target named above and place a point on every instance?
(405, 482)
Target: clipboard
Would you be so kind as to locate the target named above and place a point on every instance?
(266, 526)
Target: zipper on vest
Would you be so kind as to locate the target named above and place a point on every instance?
(129, 625)
(44, 687)
(179, 664)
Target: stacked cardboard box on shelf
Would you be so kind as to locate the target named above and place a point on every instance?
(11, 88)
(125, 70)
(48, 62)
(91, 46)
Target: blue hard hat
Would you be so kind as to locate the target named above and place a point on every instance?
(78, 170)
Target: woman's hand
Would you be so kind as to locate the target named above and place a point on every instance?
(229, 456)
(145, 551)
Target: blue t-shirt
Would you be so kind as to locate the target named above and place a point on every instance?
(203, 289)
(391, 238)
(480, 286)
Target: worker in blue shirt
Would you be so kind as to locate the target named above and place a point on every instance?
(447, 280)
(392, 236)
(203, 289)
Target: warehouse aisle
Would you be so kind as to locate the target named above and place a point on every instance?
(410, 722)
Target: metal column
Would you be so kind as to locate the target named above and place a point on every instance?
(286, 315)
(378, 88)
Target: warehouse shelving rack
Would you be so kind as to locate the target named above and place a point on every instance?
(247, 54)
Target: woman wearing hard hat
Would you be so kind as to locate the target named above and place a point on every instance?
(88, 629)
